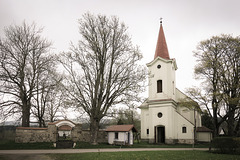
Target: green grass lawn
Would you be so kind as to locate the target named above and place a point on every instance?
(8, 145)
(147, 155)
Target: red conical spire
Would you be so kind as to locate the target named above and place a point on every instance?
(161, 49)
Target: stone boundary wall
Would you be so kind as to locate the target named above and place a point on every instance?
(102, 136)
(32, 135)
(85, 136)
(50, 134)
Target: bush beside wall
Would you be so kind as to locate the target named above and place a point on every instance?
(227, 145)
(7, 133)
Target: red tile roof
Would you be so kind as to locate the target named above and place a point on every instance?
(64, 128)
(161, 48)
(121, 128)
(203, 129)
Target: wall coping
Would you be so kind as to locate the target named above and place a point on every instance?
(31, 128)
(63, 122)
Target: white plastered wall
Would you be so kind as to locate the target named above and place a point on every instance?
(122, 136)
(168, 80)
(204, 136)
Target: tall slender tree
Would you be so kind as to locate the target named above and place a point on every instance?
(47, 92)
(103, 69)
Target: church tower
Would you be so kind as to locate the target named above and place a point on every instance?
(162, 82)
(162, 119)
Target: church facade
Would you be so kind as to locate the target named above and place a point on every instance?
(163, 119)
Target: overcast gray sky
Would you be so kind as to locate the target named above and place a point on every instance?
(185, 23)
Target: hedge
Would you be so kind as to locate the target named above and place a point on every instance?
(228, 145)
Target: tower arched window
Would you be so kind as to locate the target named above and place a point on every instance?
(159, 86)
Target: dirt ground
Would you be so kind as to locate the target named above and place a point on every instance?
(24, 157)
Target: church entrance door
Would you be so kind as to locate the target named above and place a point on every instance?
(160, 134)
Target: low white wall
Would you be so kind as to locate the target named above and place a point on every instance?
(204, 136)
(122, 136)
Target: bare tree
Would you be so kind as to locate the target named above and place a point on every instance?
(23, 59)
(56, 103)
(47, 89)
(103, 68)
(127, 115)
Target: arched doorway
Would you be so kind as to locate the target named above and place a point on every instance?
(159, 134)
(64, 130)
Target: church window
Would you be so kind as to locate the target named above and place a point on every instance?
(159, 115)
(159, 66)
(116, 135)
(147, 131)
(159, 86)
(184, 129)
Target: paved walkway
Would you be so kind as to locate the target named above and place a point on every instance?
(49, 151)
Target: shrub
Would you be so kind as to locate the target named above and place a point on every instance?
(228, 145)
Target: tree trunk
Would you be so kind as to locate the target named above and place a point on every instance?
(25, 115)
(237, 129)
(231, 120)
(215, 121)
(230, 123)
(41, 122)
(94, 127)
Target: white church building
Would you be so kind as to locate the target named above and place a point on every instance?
(163, 120)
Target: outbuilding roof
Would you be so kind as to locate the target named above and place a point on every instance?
(203, 129)
(121, 128)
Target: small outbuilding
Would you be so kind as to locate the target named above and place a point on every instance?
(204, 134)
(121, 134)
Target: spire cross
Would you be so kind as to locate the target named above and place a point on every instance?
(161, 20)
